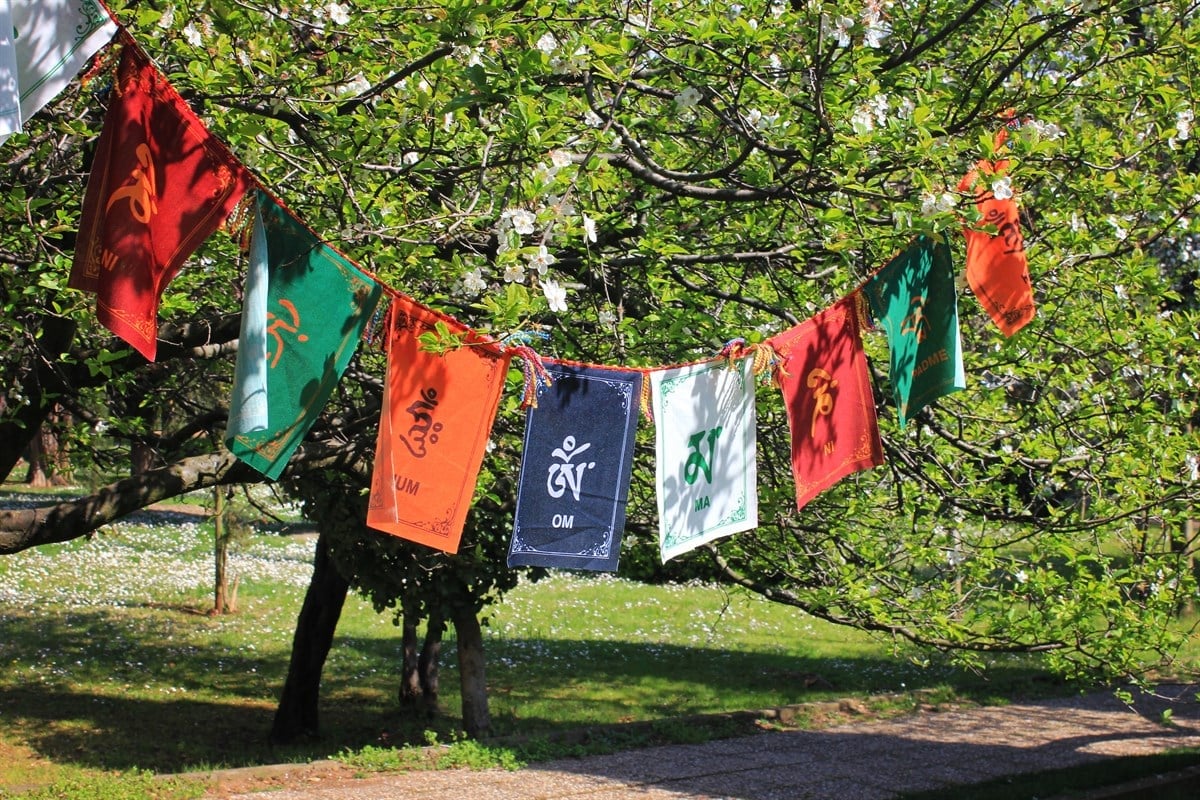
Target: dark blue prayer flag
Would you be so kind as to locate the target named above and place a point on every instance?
(575, 469)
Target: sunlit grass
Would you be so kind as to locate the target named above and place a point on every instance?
(109, 660)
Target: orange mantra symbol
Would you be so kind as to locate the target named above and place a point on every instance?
(109, 260)
(278, 324)
(140, 191)
(820, 382)
(915, 321)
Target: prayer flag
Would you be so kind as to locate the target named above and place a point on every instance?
(438, 411)
(160, 185)
(575, 469)
(318, 304)
(705, 447)
(827, 394)
(10, 94)
(248, 407)
(997, 270)
(914, 298)
(53, 40)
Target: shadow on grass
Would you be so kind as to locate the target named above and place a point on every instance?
(81, 687)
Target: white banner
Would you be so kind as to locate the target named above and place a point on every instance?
(705, 446)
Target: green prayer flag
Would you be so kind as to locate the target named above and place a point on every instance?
(318, 304)
(915, 301)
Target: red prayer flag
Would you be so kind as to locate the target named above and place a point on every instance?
(827, 392)
(160, 185)
(997, 270)
(438, 410)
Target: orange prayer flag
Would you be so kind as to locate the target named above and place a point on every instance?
(997, 270)
(438, 410)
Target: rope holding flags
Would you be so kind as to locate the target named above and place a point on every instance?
(162, 183)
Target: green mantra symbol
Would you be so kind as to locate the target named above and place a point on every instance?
(696, 462)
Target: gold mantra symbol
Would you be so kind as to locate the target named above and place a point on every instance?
(820, 382)
(278, 324)
(140, 191)
(916, 322)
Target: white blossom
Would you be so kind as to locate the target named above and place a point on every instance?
(560, 158)
(547, 43)
(875, 33)
(689, 97)
(556, 296)
(934, 203)
(471, 56)
(1002, 188)
(521, 219)
(863, 120)
(192, 34)
(840, 30)
(338, 13)
(411, 157)
(589, 228)
(905, 108)
(592, 119)
(473, 282)
(1021, 576)
(1183, 124)
(606, 317)
(168, 18)
(879, 107)
(514, 273)
(1193, 463)
(541, 260)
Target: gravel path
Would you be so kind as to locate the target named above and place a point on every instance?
(858, 761)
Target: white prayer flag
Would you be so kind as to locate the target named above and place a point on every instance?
(10, 97)
(52, 40)
(705, 443)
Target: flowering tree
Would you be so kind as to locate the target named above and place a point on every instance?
(644, 181)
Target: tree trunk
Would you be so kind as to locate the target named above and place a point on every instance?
(222, 603)
(428, 666)
(410, 676)
(296, 716)
(476, 717)
(47, 457)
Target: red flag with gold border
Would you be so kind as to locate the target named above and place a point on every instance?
(438, 410)
(160, 185)
(827, 393)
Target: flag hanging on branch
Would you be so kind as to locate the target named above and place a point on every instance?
(318, 304)
(575, 469)
(438, 411)
(248, 407)
(53, 40)
(914, 297)
(705, 446)
(160, 185)
(997, 269)
(827, 393)
(10, 95)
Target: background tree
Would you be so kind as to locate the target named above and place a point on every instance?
(675, 175)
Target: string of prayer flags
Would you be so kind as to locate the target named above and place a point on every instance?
(248, 407)
(827, 394)
(575, 469)
(705, 442)
(160, 185)
(997, 269)
(43, 46)
(318, 304)
(438, 411)
(914, 297)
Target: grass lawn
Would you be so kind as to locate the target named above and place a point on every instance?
(109, 662)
